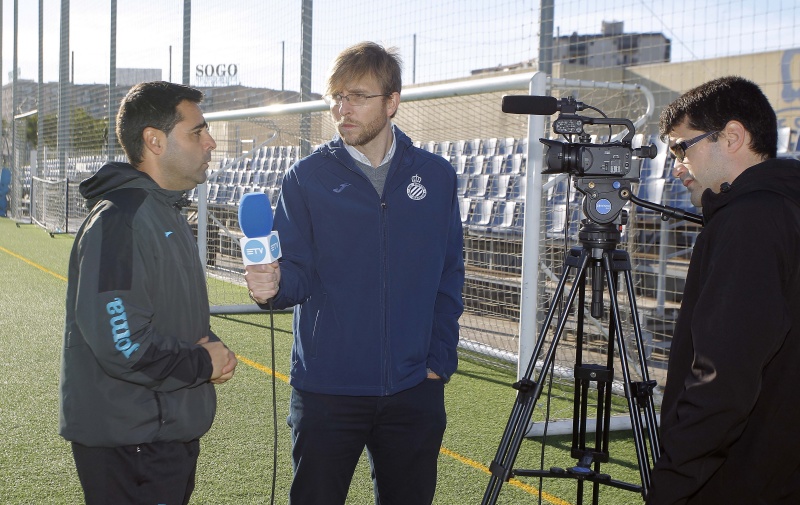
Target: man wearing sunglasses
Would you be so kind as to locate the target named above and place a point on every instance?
(372, 261)
(731, 405)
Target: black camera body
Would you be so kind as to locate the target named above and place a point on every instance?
(603, 171)
(581, 160)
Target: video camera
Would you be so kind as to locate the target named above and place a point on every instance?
(603, 172)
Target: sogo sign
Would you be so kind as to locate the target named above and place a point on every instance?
(223, 74)
(221, 70)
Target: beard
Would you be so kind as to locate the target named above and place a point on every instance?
(365, 134)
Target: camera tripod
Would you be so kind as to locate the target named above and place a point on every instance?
(599, 253)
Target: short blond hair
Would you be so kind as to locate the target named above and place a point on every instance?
(362, 60)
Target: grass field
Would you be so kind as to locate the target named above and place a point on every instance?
(236, 461)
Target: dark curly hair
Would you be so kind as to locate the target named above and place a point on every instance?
(710, 106)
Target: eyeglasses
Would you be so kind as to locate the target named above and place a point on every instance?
(679, 149)
(356, 99)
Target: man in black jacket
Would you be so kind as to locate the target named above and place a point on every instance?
(140, 359)
(731, 403)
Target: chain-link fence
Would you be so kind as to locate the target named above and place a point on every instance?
(261, 66)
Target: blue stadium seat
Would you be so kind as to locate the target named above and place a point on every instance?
(476, 164)
(457, 148)
(259, 177)
(223, 196)
(497, 186)
(506, 145)
(557, 220)
(236, 196)
(489, 146)
(476, 185)
(226, 177)
(517, 185)
(480, 214)
(274, 195)
(519, 217)
(269, 164)
(496, 164)
(213, 189)
(472, 147)
(503, 218)
(459, 162)
(517, 164)
(522, 146)
(465, 204)
(443, 149)
(272, 179)
(236, 178)
(462, 180)
(246, 178)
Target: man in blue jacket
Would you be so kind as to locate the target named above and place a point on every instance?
(372, 262)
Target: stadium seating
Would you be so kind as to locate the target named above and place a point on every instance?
(491, 175)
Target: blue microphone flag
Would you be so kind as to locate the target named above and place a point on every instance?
(255, 215)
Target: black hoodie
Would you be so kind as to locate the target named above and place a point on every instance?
(731, 409)
(136, 305)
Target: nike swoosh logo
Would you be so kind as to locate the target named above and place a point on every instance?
(341, 188)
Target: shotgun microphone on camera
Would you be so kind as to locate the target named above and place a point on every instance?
(538, 105)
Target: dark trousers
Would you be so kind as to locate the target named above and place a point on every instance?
(160, 473)
(402, 433)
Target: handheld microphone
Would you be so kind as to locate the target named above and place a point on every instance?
(538, 105)
(260, 244)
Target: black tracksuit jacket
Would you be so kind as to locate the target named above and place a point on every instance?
(731, 409)
(136, 306)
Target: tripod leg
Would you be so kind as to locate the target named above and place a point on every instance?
(529, 391)
(630, 393)
(646, 397)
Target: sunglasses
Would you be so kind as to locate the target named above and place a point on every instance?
(679, 149)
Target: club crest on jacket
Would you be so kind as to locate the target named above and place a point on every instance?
(415, 190)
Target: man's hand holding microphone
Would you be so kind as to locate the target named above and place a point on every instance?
(260, 247)
(263, 281)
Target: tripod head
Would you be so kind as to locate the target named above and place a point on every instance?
(602, 236)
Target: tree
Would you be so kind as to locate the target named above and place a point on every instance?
(88, 134)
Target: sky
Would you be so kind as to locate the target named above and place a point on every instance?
(438, 39)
